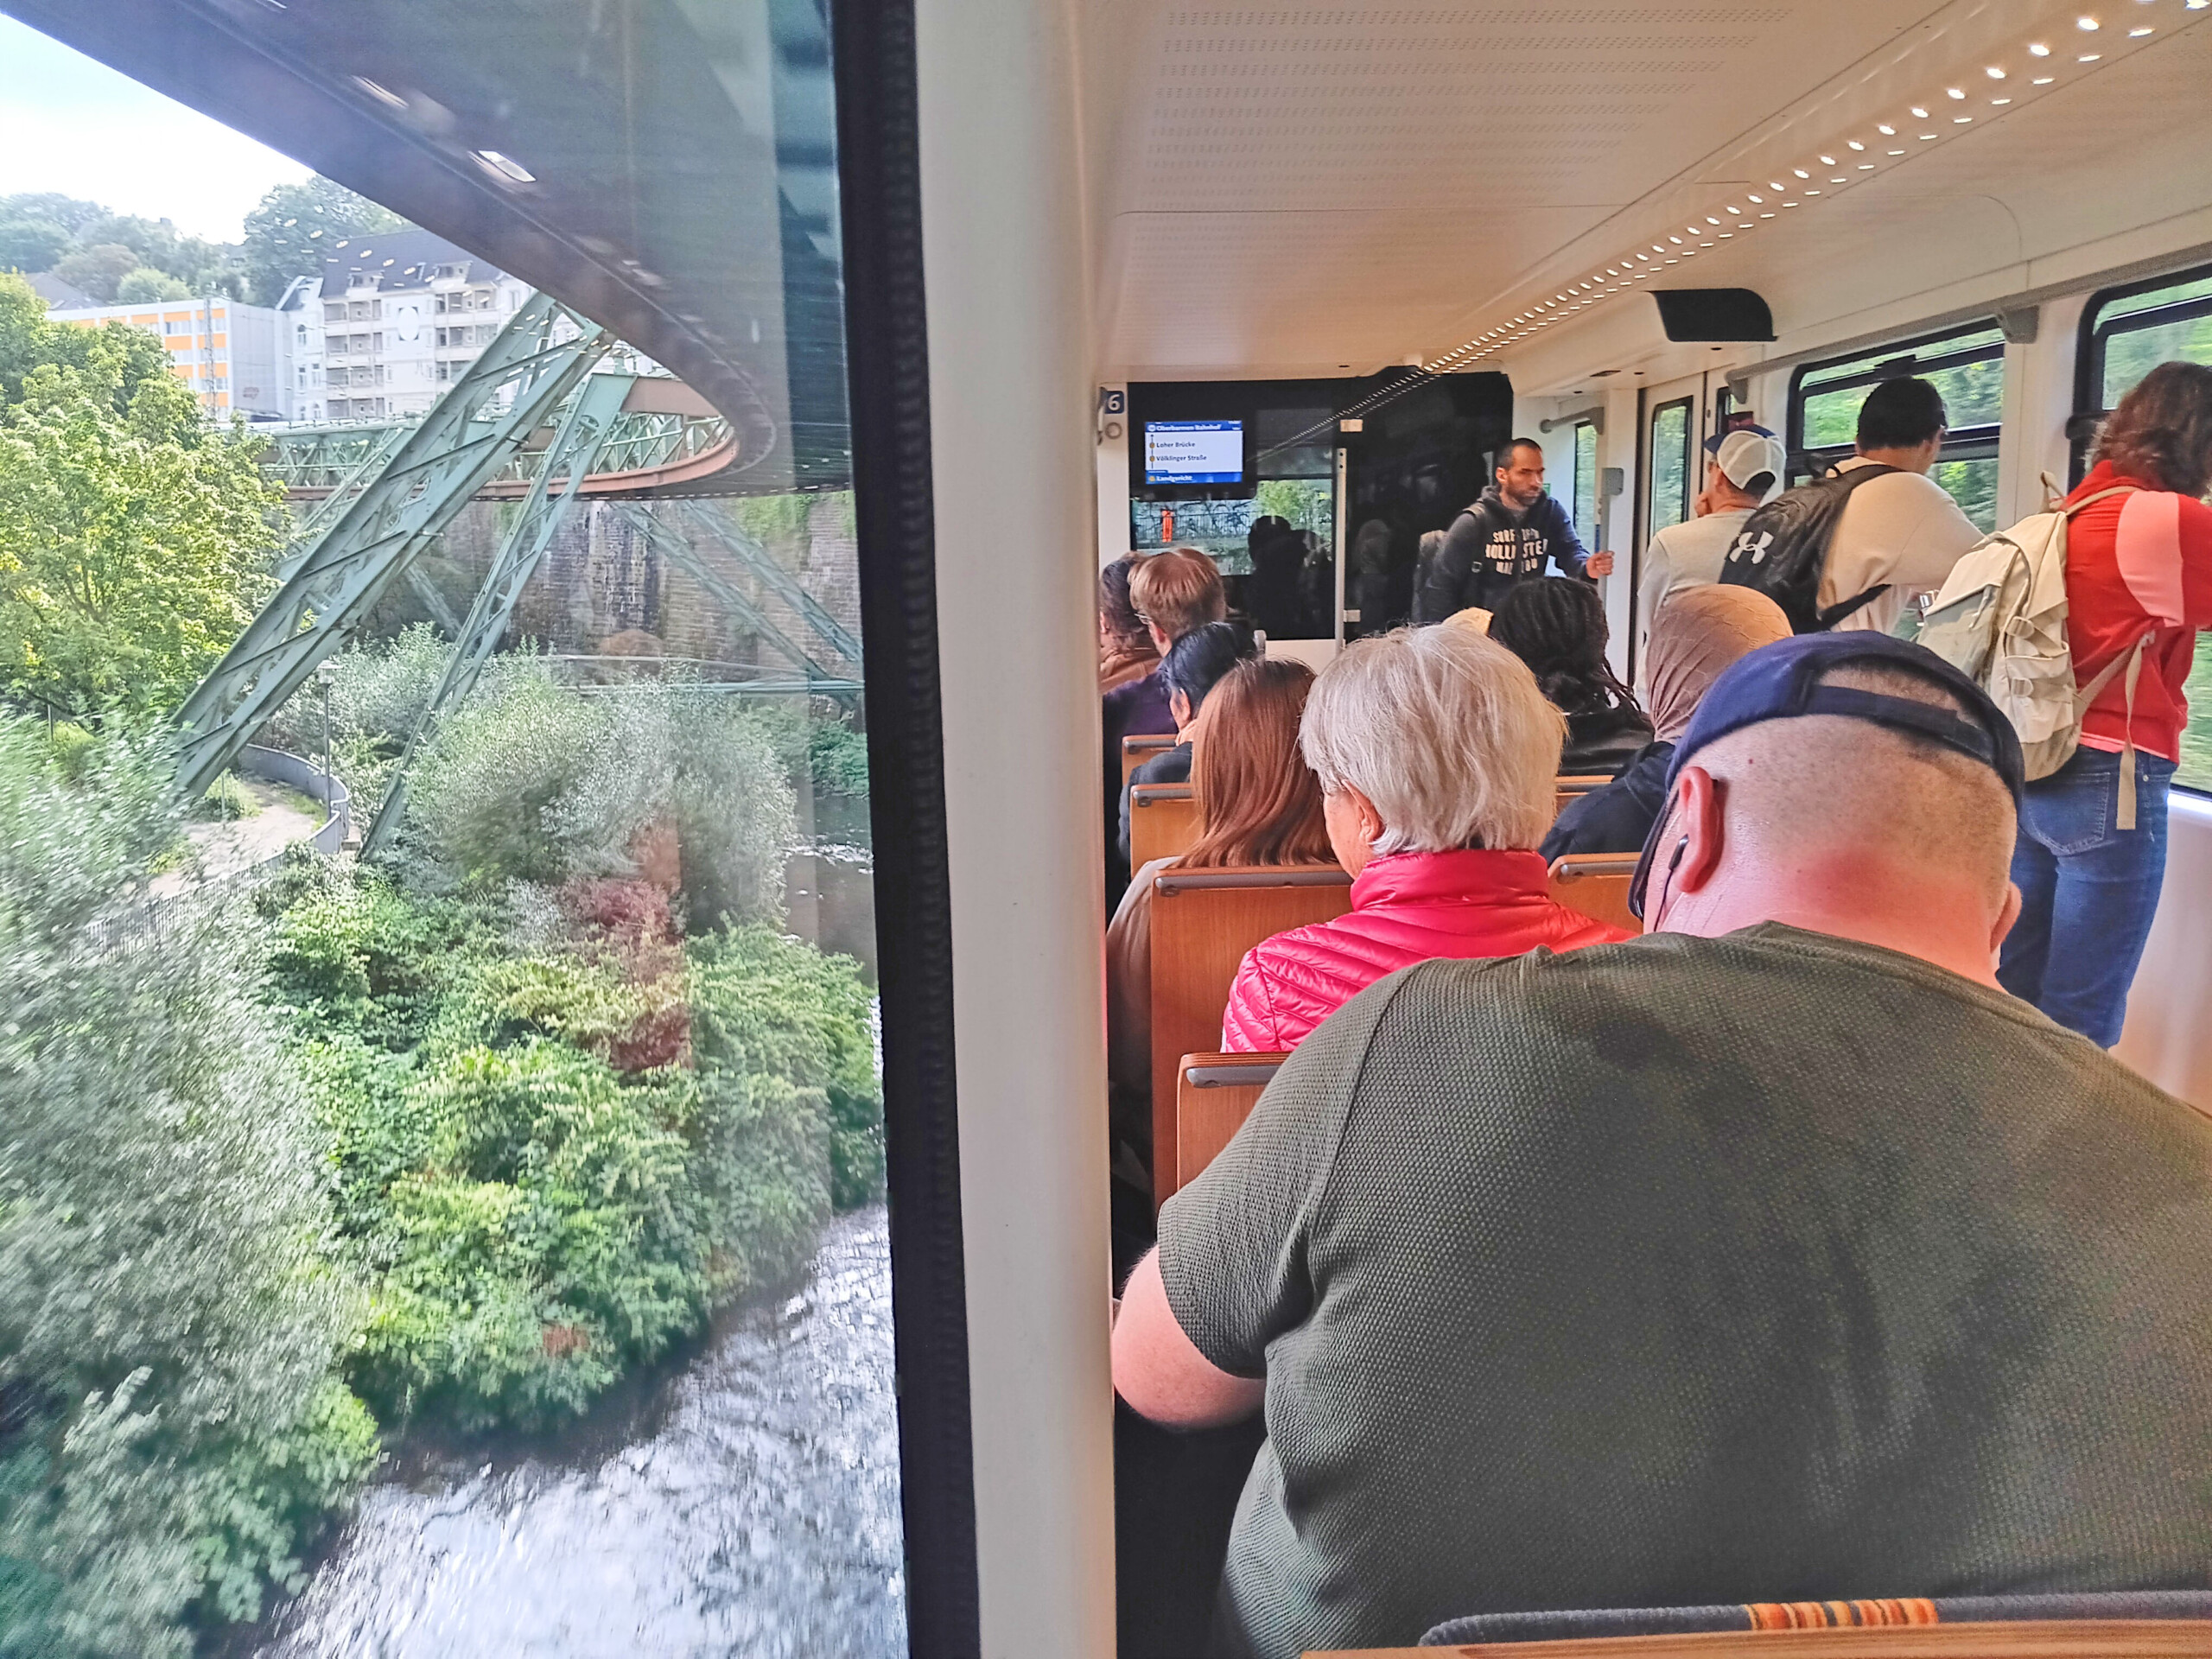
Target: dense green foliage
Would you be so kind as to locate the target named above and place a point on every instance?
(135, 537)
(170, 1318)
(121, 257)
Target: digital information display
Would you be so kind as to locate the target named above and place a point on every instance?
(1194, 452)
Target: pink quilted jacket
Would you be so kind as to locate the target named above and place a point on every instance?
(1406, 908)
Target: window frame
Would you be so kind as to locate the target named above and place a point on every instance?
(1589, 531)
(2093, 340)
(1977, 442)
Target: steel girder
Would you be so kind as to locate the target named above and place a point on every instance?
(584, 433)
(507, 395)
(678, 552)
(786, 586)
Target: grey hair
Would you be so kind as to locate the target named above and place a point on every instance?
(1444, 731)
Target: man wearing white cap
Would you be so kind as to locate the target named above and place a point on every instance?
(1743, 470)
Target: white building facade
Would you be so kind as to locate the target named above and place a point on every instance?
(392, 320)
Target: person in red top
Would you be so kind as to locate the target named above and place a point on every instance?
(1436, 755)
(2138, 570)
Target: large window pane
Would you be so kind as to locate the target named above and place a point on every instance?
(441, 1152)
(1586, 481)
(1972, 392)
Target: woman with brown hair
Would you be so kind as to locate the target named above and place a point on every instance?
(1259, 803)
(2091, 855)
(1125, 648)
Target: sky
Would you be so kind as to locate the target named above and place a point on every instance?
(70, 124)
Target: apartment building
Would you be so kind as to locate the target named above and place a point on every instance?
(390, 322)
(235, 358)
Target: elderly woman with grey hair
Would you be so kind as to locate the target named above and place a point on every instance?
(1437, 754)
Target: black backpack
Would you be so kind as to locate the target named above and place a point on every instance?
(1783, 550)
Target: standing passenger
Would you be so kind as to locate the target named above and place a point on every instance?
(1504, 539)
(2139, 568)
(1742, 472)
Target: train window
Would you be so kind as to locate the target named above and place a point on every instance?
(1671, 473)
(2125, 333)
(1966, 365)
(1585, 480)
(462, 1056)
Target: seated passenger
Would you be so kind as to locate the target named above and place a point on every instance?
(1258, 804)
(1190, 670)
(1557, 626)
(1700, 631)
(1435, 752)
(1173, 592)
(1125, 647)
(1776, 1255)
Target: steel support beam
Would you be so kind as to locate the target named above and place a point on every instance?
(507, 395)
(786, 586)
(582, 437)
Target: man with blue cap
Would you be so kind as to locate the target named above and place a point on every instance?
(1777, 1255)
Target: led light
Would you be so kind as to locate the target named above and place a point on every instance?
(1801, 172)
(1839, 181)
(2046, 80)
(1896, 152)
(1766, 215)
(1925, 137)
(1752, 198)
(1777, 184)
(1710, 219)
(1812, 193)
(1827, 161)
(2088, 24)
(1788, 204)
(2038, 49)
(1998, 103)
(1735, 210)
(1955, 92)
(1865, 167)
(1994, 73)
(2089, 57)
(504, 167)
(383, 95)
(1886, 130)
(1920, 112)
(1961, 120)
(1855, 144)
(2137, 34)
(1676, 240)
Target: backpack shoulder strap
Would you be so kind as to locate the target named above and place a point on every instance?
(2071, 508)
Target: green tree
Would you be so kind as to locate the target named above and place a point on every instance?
(28, 243)
(98, 268)
(113, 355)
(292, 229)
(135, 537)
(146, 284)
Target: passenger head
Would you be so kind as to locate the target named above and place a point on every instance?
(1902, 422)
(1196, 663)
(1371, 548)
(1846, 783)
(1699, 632)
(1120, 627)
(1742, 468)
(2162, 431)
(1430, 740)
(1175, 592)
(1557, 626)
(1520, 473)
(1258, 799)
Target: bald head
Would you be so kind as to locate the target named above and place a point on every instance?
(1845, 827)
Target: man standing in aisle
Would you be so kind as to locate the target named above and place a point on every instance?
(1505, 537)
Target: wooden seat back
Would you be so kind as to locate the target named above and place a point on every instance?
(1136, 751)
(1567, 787)
(1597, 884)
(1163, 822)
(1203, 922)
(1214, 1094)
(2072, 1638)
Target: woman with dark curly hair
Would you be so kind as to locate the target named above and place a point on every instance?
(1125, 647)
(2092, 850)
(1557, 626)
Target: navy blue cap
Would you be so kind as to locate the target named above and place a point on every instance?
(1713, 444)
(1782, 681)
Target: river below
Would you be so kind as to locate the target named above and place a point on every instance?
(746, 1507)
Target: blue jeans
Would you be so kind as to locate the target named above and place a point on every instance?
(2088, 891)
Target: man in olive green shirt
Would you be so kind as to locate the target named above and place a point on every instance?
(1777, 1255)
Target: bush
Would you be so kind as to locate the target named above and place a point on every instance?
(553, 1160)
(169, 1319)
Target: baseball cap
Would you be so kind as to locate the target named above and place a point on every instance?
(1746, 452)
(1782, 681)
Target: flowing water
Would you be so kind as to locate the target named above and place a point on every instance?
(747, 1509)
